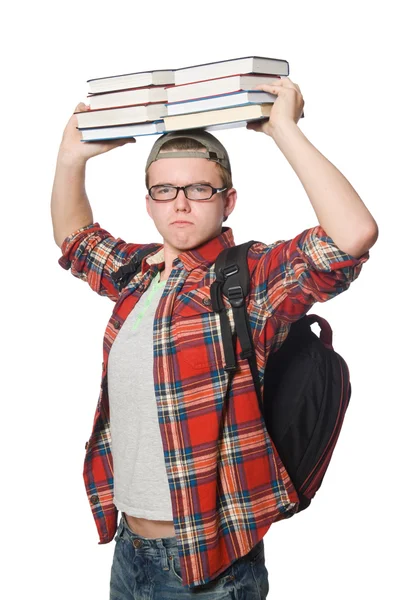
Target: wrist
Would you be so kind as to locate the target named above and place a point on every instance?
(283, 129)
(66, 158)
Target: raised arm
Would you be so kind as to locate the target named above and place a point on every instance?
(339, 209)
(89, 251)
(70, 207)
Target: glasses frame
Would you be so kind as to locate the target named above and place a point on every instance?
(184, 187)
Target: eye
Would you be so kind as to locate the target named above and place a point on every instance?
(198, 187)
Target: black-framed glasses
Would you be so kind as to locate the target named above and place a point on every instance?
(194, 191)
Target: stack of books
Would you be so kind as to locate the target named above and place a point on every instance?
(214, 95)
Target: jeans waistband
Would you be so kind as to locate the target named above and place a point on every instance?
(143, 542)
(139, 541)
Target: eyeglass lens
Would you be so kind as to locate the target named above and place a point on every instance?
(193, 192)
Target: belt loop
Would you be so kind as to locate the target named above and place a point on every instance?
(163, 555)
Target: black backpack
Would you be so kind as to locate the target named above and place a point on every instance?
(306, 383)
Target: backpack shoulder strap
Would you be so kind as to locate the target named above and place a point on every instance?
(125, 273)
(233, 280)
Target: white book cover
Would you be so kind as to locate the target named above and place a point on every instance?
(236, 66)
(130, 80)
(223, 101)
(121, 116)
(128, 97)
(122, 131)
(216, 87)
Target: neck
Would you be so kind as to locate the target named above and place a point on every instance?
(171, 253)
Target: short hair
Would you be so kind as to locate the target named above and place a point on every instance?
(189, 144)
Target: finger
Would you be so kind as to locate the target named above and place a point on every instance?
(278, 82)
(273, 88)
(294, 86)
(81, 107)
(287, 83)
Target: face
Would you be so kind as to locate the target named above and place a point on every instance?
(199, 221)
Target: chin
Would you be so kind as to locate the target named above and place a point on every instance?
(183, 246)
(192, 241)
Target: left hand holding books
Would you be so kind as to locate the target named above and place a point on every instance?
(288, 106)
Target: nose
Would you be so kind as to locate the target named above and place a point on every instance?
(181, 202)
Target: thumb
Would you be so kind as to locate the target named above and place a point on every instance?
(81, 107)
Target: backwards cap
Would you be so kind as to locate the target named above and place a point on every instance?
(214, 149)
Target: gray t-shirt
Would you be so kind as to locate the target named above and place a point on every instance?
(140, 480)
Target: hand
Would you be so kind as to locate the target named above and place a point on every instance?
(288, 106)
(72, 146)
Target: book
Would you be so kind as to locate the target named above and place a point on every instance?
(217, 95)
(115, 132)
(123, 115)
(235, 66)
(223, 101)
(246, 113)
(221, 126)
(130, 80)
(215, 87)
(143, 95)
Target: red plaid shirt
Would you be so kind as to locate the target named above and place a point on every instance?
(226, 480)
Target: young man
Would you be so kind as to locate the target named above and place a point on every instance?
(178, 446)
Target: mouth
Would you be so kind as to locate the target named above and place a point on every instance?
(180, 223)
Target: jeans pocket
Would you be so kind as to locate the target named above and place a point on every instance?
(221, 586)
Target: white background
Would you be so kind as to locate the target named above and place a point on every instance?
(342, 55)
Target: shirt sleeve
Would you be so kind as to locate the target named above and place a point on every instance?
(93, 254)
(292, 275)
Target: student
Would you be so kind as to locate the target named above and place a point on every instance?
(178, 446)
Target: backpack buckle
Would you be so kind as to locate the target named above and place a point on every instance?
(230, 270)
(236, 296)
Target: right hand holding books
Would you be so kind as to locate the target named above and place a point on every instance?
(73, 148)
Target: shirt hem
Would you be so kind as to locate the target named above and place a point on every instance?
(141, 514)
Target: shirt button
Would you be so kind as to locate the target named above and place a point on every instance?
(94, 499)
(206, 301)
(117, 324)
(137, 543)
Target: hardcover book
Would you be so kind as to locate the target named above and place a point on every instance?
(215, 117)
(121, 131)
(224, 101)
(215, 87)
(131, 97)
(131, 80)
(120, 115)
(235, 66)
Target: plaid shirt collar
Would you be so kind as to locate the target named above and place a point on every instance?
(205, 254)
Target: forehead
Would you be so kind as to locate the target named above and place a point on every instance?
(181, 171)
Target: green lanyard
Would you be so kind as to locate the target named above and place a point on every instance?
(155, 285)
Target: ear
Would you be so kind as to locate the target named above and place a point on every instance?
(148, 207)
(229, 202)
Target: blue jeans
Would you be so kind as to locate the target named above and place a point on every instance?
(149, 569)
